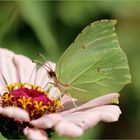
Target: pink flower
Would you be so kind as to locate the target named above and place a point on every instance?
(27, 107)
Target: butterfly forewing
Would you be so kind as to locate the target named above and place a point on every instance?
(94, 64)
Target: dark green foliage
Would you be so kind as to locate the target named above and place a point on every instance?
(11, 129)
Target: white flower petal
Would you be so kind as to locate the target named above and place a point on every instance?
(47, 121)
(109, 113)
(1, 79)
(42, 76)
(69, 105)
(84, 120)
(16, 113)
(68, 129)
(66, 99)
(89, 118)
(35, 134)
(2, 89)
(103, 100)
(54, 92)
(18, 68)
(7, 68)
(24, 67)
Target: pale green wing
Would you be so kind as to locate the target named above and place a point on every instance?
(94, 64)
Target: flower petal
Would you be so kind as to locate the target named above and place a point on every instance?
(54, 92)
(16, 113)
(35, 134)
(109, 113)
(42, 76)
(89, 118)
(69, 129)
(66, 99)
(47, 121)
(24, 67)
(7, 68)
(2, 89)
(103, 100)
(68, 103)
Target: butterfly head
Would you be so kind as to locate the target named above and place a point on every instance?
(51, 74)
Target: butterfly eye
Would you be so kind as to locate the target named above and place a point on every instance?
(52, 74)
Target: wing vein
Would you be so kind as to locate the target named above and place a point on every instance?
(86, 82)
(88, 67)
(83, 90)
(100, 39)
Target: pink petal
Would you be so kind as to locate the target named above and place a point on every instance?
(42, 75)
(16, 113)
(68, 105)
(84, 120)
(1, 79)
(66, 99)
(24, 67)
(54, 92)
(89, 118)
(67, 102)
(18, 68)
(109, 113)
(35, 134)
(69, 129)
(2, 89)
(103, 100)
(7, 68)
(46, 121)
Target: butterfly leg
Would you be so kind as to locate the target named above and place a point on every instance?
(72, 100)
(59, 96)
(48, 85)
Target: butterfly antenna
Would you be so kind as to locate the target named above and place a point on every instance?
(42, 57)
(44, 66)
(37, 62)
(46, 61)
(41, 64)
(49, 65)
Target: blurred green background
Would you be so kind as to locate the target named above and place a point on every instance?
(48, 27)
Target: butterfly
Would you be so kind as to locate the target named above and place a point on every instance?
(93, 65)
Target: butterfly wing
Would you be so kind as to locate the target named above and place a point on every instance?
(94, 64)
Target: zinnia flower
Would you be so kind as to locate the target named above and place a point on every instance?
(28, 109)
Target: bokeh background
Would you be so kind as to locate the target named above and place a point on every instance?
(49, 27)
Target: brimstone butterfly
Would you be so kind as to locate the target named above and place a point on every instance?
(94, 64)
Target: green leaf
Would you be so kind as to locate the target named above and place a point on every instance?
(94, 64)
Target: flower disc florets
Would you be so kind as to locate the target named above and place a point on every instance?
(31, 98)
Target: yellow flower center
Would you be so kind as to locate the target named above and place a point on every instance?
(30, 97)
